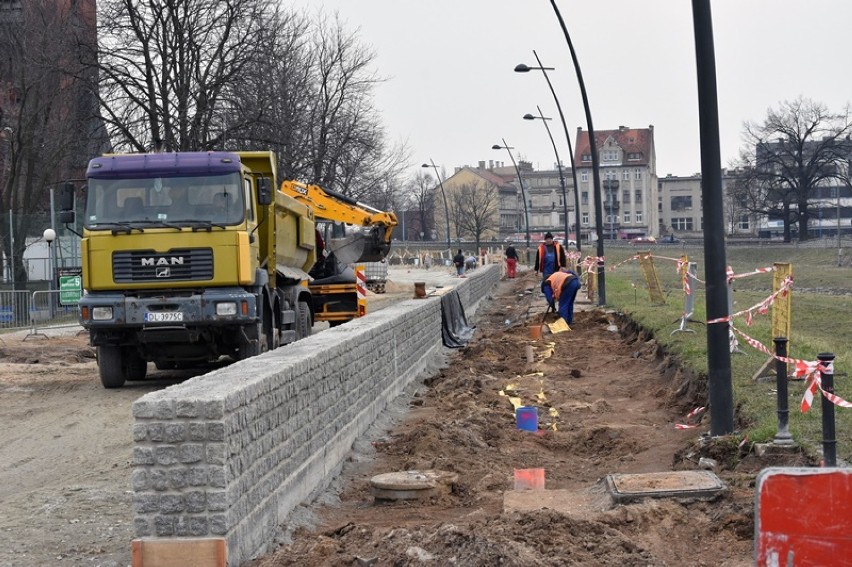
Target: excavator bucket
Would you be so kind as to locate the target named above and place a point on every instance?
(360, 247)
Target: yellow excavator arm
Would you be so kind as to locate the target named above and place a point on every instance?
(332, 206)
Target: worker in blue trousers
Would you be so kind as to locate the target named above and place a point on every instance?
(562, 286)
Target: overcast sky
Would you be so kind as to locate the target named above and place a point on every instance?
(451, 92)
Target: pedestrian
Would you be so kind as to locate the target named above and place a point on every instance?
(562, 286)
(549, 258)
(511, 261)
(458, 261)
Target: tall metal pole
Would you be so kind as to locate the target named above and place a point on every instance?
(446, 208)
(506, 147)
(523, 69)
(718, 347)
(558, 165)
(593, 145)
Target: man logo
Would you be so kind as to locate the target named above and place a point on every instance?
(163, 272)
(163, 261)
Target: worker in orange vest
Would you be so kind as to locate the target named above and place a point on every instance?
(549, 257)
(562, 286)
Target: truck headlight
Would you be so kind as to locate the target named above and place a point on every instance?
(226, 309)
(101, 313)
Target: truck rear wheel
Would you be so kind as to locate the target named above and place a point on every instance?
(303, 314)
(110, 367)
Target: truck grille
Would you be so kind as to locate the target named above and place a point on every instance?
(184, 264)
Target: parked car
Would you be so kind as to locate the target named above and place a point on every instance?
(643, 240)
(670, 239)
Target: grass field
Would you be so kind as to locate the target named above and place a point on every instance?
(820, 322)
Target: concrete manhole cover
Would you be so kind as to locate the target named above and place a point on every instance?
(410, 485)
(670, 484)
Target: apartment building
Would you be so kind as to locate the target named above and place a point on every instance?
(628, 175)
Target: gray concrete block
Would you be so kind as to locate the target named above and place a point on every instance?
(143, 455)
(146, 502)
(172, 503)
(165, 526)
(165, 409)
(165, 455)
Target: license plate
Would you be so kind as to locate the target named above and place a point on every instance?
(164, 317)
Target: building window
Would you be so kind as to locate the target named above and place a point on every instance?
(638, 196)
(744, 223)
(584, 176)
(610, 174)
(681, 203)
(585, 219)
(637, 174)
(639, 217)
(610, 155)
(682, 223)
(587, 157)
(625, 195)
(626, 217)
(625, 175)
(584, 197)
(634, 156)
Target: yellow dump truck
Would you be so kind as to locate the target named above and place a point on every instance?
(188, 257)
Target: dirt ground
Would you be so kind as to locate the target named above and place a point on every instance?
(66, 443)
(608, 402)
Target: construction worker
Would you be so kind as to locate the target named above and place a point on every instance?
(562, 286)
(549, 257)
(511, 261)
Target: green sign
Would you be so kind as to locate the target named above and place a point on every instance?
(70, 290)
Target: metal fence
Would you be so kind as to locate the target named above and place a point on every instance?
(35, 310)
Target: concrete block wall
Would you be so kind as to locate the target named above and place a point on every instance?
(231, 453)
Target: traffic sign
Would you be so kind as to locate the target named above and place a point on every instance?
(70, 290)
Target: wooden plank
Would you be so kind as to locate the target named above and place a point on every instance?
(203, 552)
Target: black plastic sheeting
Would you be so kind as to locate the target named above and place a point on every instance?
(455, 331)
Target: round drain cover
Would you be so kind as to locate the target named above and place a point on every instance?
(409, 485)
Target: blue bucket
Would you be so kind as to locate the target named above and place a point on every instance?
(527, 418)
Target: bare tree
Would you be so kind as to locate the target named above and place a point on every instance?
(167, 65)
(798, 148)
(40, 126)
(476, 205)
(421, 190)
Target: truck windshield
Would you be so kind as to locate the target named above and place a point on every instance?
(216, 199)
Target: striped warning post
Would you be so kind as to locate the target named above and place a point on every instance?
(361, 288)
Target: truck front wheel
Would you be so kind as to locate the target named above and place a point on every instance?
(110, 367)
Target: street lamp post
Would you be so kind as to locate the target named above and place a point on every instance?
(558, 165)
(508, 148)
(593, 148)
(49, 236)
(526, 69)
(446, 208)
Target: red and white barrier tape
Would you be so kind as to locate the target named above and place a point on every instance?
(695, 414)
(810, 370)
(762, 308)
(732, 276)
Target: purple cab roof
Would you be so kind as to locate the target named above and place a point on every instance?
(181, 164)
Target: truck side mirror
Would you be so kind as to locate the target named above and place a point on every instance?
(66, 204)
(264, 191)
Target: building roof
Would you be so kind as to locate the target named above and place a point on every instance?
(630, 140)
(485, 174)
